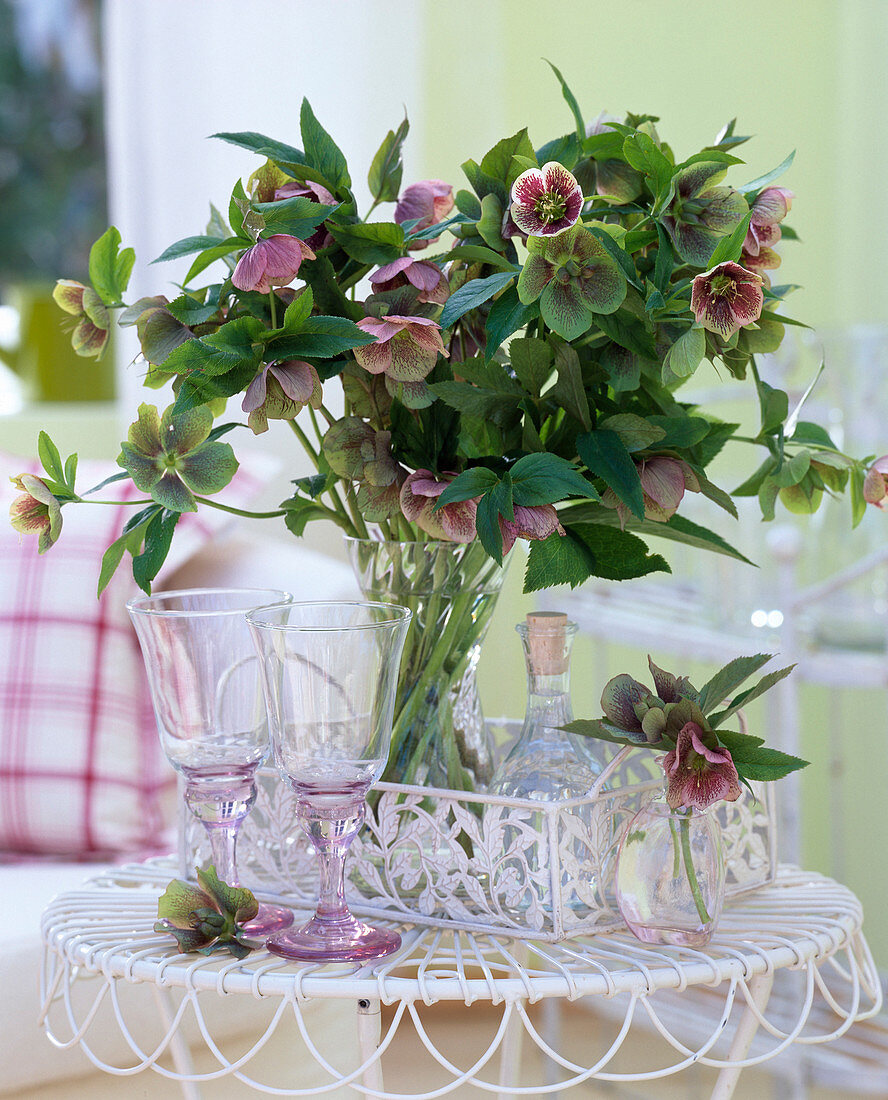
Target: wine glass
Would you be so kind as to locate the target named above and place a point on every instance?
(330, 671)
(203, 673)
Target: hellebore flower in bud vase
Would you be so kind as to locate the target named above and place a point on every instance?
(574, 277)
(428, 278)
(546, 201)
(279, 391)
(697, 775)
(169, 458)
(36, 511)
(875, 484)
(726, 298)
(532, 522)
(207, 917)
(406, 348)
(453, 523)
(91, 322)
(271, 261)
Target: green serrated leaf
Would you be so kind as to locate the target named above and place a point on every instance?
(110, 267)
(569, 391)
(728, 679)
(49, 456)
(507, 315)
(474, 293)
(606, 456)
(571, 100)
(730, 247)
(189, 245)
(558, 559)
(386, 168)
(321, 151)
(746, 697)
(546, 479)
(686, 354)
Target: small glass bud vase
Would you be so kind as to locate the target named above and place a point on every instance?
(670, 875)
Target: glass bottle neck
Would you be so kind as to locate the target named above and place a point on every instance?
(548, 701)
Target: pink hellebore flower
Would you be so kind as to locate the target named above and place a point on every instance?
(546, 201)
(279, 391)
(696, 775)
(664, 481)
(769, 208)
(430, 201)
(453, 523)
(726, 298)
(406, 348)
(875, 484)
(428, 278)
(317, 192)
(535, 521)
(271, 261)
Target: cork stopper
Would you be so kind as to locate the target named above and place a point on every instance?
(547, 651)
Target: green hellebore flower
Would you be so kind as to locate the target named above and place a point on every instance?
(574, 277)
(207, 917)
(90, 324)
(701, 213)
(170, 459)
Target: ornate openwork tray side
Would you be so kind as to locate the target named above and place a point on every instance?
(481, 862)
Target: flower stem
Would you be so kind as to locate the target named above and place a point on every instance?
(702, 912)
(306, 443)
(273, 306)
(240, 511)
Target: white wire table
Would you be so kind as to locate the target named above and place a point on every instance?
(803, 922)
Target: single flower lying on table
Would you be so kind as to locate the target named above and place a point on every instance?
(207, 917)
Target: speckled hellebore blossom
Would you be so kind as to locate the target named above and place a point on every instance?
(279, 391)
(875, 484)
(428, 278)
(406, 348)
(89, 333)
(270, 262)
(452, 523)
(546, 201)
(36, 511)
(207, 917)
(532, 522)
(696, 775)
(358, 452)
(169, 457)
(574, 278)
(701, 213)
(726, 298)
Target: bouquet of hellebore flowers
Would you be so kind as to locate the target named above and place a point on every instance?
(513, 347)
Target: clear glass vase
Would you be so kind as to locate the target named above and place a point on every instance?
(670, 875)
(439, 737)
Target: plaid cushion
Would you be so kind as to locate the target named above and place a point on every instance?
(81, 769)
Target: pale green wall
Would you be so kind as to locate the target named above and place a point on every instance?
(803, 74)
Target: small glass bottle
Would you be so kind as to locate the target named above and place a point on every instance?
(547, 764)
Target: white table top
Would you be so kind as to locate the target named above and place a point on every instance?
(800, 922)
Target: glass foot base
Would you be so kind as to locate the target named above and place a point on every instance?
(675, 937)
(269, 919)
(347, 940)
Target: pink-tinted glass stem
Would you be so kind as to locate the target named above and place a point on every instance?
(331, 829)
(221, 802)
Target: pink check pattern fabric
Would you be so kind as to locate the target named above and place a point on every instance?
(82, 774)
